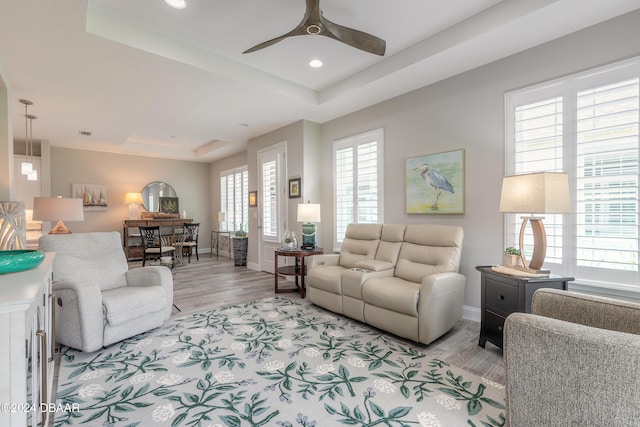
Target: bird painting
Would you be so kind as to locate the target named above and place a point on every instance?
(436, 180)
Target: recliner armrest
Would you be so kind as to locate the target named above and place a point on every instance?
(375, 265)
(150, 276)
(79, 320)
(436, 285)
(321, 259)
(588, 310)
(153, 276)
(440, 304)
(557, 370)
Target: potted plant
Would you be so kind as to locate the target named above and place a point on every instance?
(511, 257)
(240, 247)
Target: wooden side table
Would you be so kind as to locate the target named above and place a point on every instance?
(298, 270)
(502, 295)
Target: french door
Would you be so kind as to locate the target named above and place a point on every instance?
(273, 209)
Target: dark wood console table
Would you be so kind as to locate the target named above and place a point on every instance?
(298, 269)
(502, 295)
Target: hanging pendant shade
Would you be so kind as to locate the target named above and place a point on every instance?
(26, 167)
(33, 174)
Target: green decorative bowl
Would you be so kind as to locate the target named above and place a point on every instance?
(19, 260)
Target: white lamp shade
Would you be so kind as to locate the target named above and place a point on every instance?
(221, 216)
(57, 209)
(133, 198)
(536, 193)
(309, 212)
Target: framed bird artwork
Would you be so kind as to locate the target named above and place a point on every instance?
(435, 183)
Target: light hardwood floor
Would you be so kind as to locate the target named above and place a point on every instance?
(213, 282)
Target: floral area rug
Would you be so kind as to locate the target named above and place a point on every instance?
(274, 362)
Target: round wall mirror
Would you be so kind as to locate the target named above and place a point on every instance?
(153, 191)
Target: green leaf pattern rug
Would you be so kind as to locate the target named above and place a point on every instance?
(273, 362)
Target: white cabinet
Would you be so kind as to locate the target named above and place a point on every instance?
(26, 356)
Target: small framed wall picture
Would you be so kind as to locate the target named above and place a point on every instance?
(253, 199)
(169, 205)
(294, 188)
(94, 197)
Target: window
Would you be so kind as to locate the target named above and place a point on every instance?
(587, 126)
(272, 165)
(234, 201)
(358, 166)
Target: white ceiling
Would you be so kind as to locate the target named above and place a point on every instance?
(150, 80)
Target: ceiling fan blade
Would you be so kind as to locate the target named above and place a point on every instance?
(313, 23)
(301, 29)
(355, 38)
(267, 43)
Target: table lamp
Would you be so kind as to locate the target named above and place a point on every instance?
(308, 214)
(133, 200)
(535, 193)
(57, 209)
(221, 218)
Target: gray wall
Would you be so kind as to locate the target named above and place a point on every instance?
(467, 111)
(123, 173)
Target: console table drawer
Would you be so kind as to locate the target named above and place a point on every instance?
(501, 296)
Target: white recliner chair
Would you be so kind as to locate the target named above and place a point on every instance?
(99, 301)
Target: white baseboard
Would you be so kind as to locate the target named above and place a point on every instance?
(471, 313)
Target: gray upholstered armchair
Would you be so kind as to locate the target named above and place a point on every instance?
(99, 301)
(573, 362)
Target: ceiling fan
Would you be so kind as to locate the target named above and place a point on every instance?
(313, 23)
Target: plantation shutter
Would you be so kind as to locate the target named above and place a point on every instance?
(270, 199)
(607, 176)
(586, 125)
(233, 199)
(538, 140)
(358, 170)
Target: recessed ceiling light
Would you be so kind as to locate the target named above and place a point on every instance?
(176, 4)
(316, 63)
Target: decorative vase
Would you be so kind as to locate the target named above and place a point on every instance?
(240, 247)
(511, 260)
(289, 241)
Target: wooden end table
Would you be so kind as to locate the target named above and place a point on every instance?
(298, 269)
(501, 295)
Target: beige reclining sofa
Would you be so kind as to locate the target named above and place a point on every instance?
(400, 278)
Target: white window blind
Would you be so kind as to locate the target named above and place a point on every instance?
(539, 147)
(270, 199)
(587, 126)
(607, 176)
(358, 167)
(234, 199)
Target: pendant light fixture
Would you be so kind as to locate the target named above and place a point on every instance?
(33, 175)
(26, 166)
